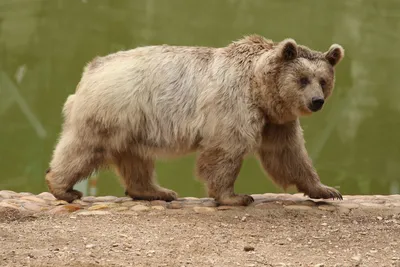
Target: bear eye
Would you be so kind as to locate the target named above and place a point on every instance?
(322, 82)
(304, 81)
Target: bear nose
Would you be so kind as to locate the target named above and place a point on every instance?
(316, 103)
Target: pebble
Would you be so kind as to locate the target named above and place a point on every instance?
(204, 209)
(106, 199)
(175, 205)
(93, 212)
(31, 206)
(102, 206)
(64, 209)
(90, 245)
(129, 203)
(140, 208)
(47, 196)
(34, 199)
(119, 209)
(8, 205)
(248, 248)
(60, 202)
(158, 207)
(319, 265)
(158, 203)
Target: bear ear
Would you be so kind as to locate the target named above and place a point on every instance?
(335, 54)
(288, 49)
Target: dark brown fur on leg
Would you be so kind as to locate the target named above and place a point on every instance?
(138, 176)
(220, 170)
(284, 156)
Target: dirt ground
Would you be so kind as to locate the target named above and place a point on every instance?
(250, 237)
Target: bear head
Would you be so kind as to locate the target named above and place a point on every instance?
(297, 80)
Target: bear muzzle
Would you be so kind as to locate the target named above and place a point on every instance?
(316, 104)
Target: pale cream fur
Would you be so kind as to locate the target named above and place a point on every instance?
(135, 106)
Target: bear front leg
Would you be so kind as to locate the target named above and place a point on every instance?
(284, 157)
(219, 169)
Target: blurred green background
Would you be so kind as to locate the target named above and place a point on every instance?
(354, 141)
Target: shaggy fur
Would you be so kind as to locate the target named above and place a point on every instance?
(159, 101)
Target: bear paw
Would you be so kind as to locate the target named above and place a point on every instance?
(163, 194)
(324, 192)
(236, 200)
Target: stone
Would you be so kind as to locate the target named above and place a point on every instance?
(158, 203)
(80, 202)
(89, 199)
(140, 208)
(191, 199)
(60, 202)
(248, 248)
(175, 205)
(119, 209)
(8, 205)
(319, 265)
(31, 206)
(93, 212)
(106, 199)
(90, 246)
(129, 203)
(47, 196)
(64, 209)
(34, 199)
(297, 207)
(327, 207)
(102, 206)
(7, 194)
(123, 199)
(158, 208)
(204, 210)
(210, 203)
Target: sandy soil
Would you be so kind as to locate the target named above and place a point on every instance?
(250, 237)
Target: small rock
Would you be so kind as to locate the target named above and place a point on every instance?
(8, 205)
(129, 203)
(106, 199)
(65, 209)
(101, 206)
(90, 245)
(307, 202)
(204, 209)
(93, 212)
(80, 202)
(158, 207)
(47, 196)
(158, 203)
(140, 208)
(60, 202)
(244, 218)
(190, 199)
(89, 199)
(175, 205)
(319, 265)
(379, 218)
(297, 207)
(115, 245)
(356, 258)
(119, 209)
(248, 248)
(324, 224)
(209, 203)
(7, 194)
(31, 206)
(34, 199)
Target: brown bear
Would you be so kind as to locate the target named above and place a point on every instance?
(134, 106)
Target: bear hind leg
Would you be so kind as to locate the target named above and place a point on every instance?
(139, 178)
(72, 161)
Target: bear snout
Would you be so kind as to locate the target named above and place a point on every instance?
(316, 104)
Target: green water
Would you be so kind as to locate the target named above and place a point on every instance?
(354, 142)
